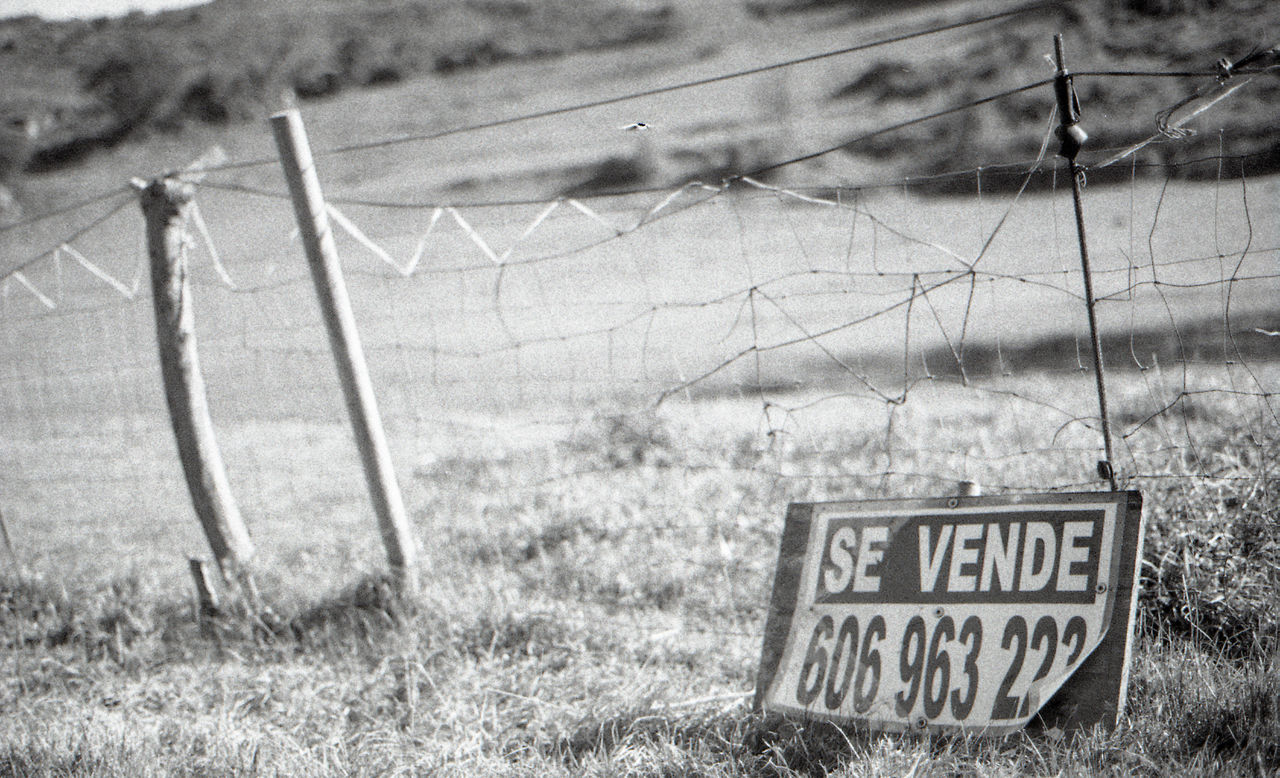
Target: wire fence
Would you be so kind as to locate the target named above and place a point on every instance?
(667, 362)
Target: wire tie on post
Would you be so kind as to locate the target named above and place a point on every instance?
(1105, 471)
(1070, 132)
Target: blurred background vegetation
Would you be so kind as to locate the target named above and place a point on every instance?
(91, 84)
(106, 80)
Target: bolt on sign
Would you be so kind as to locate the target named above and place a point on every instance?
(963, 613)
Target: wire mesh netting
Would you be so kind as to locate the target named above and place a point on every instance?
(700, 353)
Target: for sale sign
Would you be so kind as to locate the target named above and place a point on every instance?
(959, 613)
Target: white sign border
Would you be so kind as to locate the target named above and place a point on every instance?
(817, 514)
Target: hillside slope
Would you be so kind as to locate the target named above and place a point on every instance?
(105, 83)
(109, 79)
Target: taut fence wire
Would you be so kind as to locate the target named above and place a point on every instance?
(662, 363)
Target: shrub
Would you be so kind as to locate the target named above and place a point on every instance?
(134, 79)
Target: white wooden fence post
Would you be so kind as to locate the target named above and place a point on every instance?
(335, 306)
(6, 546)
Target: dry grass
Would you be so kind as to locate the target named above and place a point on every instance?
(595, 588)
(594, 606)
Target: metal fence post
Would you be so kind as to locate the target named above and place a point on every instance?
(1073, 138)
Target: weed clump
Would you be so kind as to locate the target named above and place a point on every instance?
(37, 613)
(511, 635)
(623, 441)
(1247, 722)
(1211, 571)
(362, 614)
(1190, 707)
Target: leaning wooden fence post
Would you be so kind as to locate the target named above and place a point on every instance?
(164, 205)
(335, 307)
(6, 546)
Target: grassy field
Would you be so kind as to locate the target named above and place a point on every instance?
(597, 563)
(596, 570)
(593, 605)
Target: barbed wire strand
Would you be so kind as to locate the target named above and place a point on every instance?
(415, 138)
(951, 460)
(66, 209)
(73, 236)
